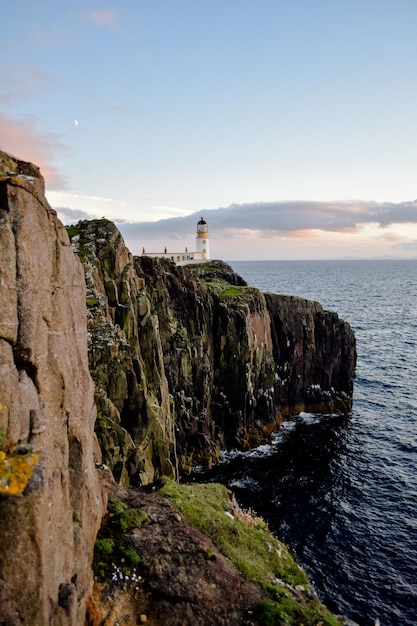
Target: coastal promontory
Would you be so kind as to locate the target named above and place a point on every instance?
(120, 374)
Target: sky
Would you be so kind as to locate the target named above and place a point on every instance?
(289, 125)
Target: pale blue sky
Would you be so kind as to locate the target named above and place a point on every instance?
(141, 110)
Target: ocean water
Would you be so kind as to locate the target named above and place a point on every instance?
(341, 491)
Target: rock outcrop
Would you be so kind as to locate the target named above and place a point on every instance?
(181, 578)
(198, 559)
(189, 360)
(50, 497)
(314, 351)
(135, 419)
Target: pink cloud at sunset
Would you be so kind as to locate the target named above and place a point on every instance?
(349, 230)
(20, 138)
(302, 234)
(392, 237)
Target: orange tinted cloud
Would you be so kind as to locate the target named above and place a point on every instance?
(20, 138)
(349, 230)
(301, 234)
(392, 237)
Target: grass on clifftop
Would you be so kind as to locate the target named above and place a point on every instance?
(245, 540)
(224, 289)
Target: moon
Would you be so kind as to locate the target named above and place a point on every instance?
(75, 122)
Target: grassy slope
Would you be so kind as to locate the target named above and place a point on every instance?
(245, 540)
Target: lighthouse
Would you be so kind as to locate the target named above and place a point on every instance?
(202, 240)
(201, 253)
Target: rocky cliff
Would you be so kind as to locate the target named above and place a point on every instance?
(189, 360)
(169, 365)
(50, 496)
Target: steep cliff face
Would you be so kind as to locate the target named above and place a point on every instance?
(184, 310)
(190, 360)
(238, 361)
(315, 356)
(50, 498)
(244, 374)
(135, 420)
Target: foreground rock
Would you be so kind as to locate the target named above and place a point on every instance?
(224, 568)
(50, 497)
(181, 578)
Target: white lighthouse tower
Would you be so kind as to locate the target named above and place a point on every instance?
(202, 240)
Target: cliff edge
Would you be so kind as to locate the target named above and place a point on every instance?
(51, 502)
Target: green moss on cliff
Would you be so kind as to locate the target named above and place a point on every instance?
(92, 301)
(234, 292)
(124, 519)
(263, 560)
(112, 548)
(72, 230)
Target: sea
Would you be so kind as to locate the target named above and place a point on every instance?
(341, 490)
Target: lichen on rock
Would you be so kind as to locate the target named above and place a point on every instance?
(16, 471)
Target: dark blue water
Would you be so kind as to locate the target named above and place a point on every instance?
(342, 491)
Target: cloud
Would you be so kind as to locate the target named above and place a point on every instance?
(69, 216)
(21, 138)
(122, 110)
(297, 219)
(343, 217)
(44, 37)
(14, 87)
(392, 237)
(19, 83)
(406, 245)
(105, 18)
(302, 234)
(387, 213)
(72, 207)
(38, 75)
